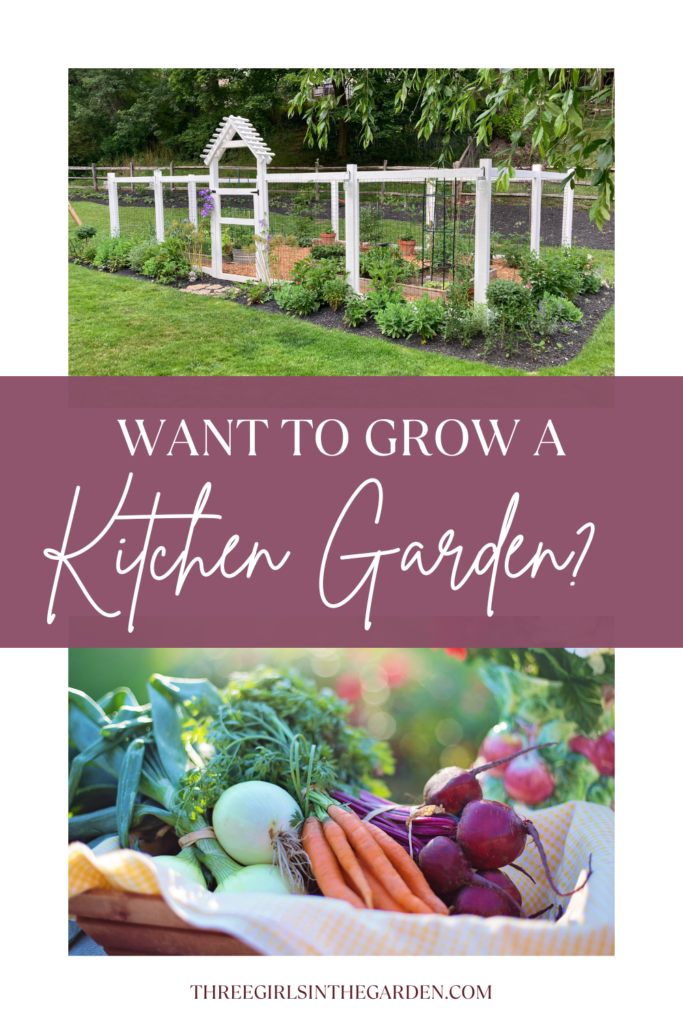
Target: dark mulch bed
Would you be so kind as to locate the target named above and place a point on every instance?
(571, 340)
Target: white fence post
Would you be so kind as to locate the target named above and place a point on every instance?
(334, 207)
(261, 218)
(159, 205)
(536, 197)
(216, 239)
(352, 215)
(567, 213)
(192, 199)
(482, 231)
(431, 202)
(114, 227)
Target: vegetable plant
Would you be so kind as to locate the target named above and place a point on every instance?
(334, 292)
(356, 310)
(296, 299)
(426, 317)
(395, 320)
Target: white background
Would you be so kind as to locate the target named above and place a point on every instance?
(40, 981)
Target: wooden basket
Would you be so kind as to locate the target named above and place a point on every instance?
(129, 924)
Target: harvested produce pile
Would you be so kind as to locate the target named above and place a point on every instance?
(266, 786)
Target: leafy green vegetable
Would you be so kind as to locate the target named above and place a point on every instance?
(253, 735)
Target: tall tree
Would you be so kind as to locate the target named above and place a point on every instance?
(559, 110)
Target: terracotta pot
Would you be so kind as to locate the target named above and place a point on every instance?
(407, 247)
(328, 238)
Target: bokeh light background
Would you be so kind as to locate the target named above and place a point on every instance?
(431, 708)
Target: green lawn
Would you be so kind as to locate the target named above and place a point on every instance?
(121, 326)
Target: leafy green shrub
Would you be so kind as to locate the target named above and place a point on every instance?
(257, 293)
(112, 253)
(296, 298)
(592, 283)
(168, 262)
(385, 266)
(356, 310)
(511, 298)
(241, 237)
(564, 309)
(329, 252)
(395, 320)
(380, 298)
(85, 231)
(426, 317)
(407, 236)
(334, 292)
(547, 319)
(82, 251)
(326, 228)
(292, 241)
(314, 274)
(139, 253)
(473, 321)
(560, 273)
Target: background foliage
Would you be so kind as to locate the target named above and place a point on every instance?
(433, 707)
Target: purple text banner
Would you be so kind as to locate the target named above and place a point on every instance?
(341, 512)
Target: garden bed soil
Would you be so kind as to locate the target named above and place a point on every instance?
(559, 350)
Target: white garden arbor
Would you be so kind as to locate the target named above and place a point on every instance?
(233, 133)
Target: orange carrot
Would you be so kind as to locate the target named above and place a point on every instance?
(324, 864)
(347, 858)
(376, 861)
(380, 897)
(407, 868)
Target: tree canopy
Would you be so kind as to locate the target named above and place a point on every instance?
(558, 107)
(564, 115)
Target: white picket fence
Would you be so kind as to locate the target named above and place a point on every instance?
(485, 175)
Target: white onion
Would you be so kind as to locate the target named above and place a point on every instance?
(256, 878)
(184, 867)
(249, 817)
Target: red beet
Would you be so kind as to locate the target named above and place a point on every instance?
(582, 745)
(499, 742)
(447, 870)
(604, 754)
(444, 865)
(528, 779)
(600, 751)
(484, 903)
(452, 788)
(501, 879)
(492, 835)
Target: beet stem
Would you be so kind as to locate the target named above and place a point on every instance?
(510, 757)
(531, 830)
(518, 868)
(539, 913)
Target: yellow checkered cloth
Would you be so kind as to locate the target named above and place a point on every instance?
(316, 926)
